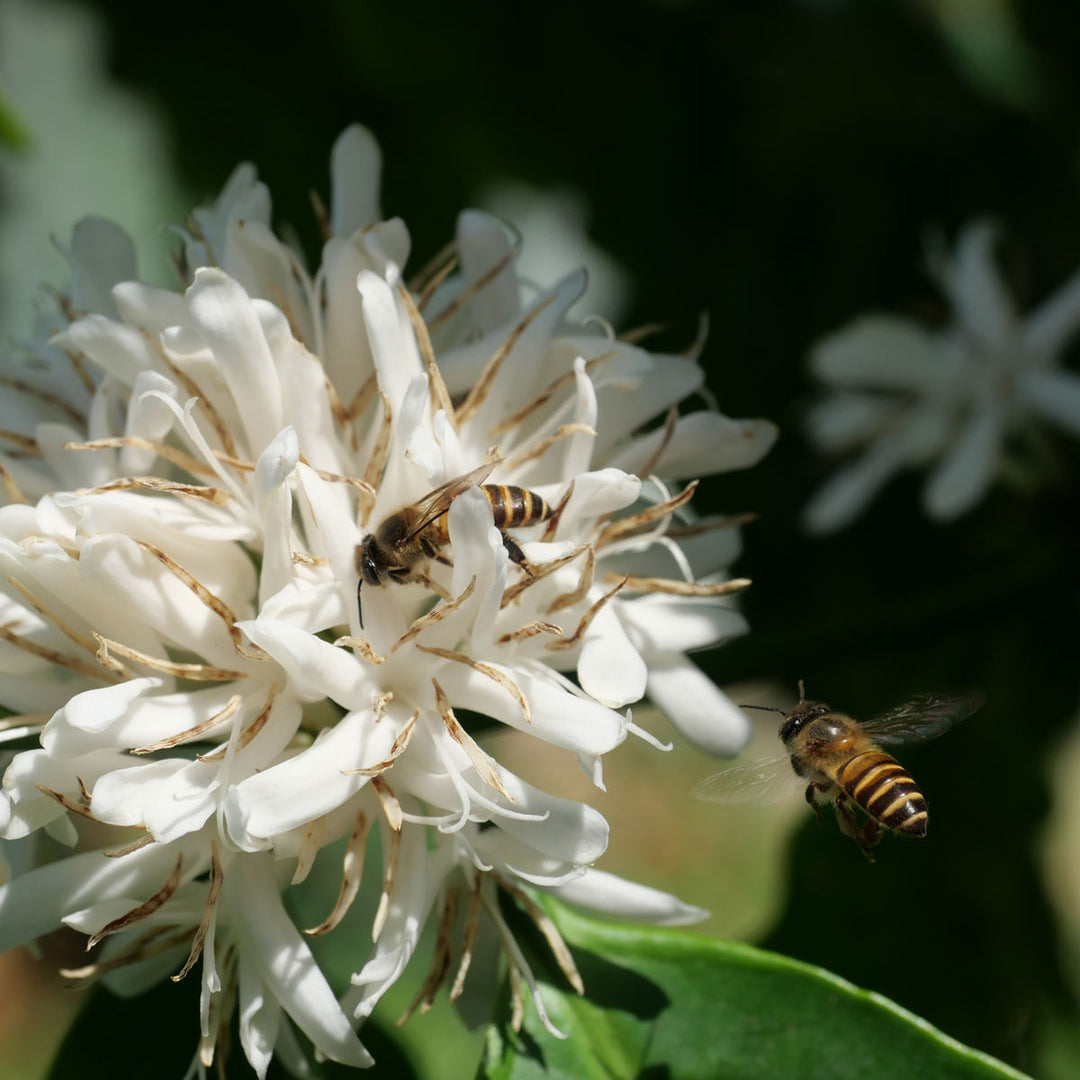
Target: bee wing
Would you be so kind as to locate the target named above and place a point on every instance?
(767, 779)
(436, 503)
(924, 717)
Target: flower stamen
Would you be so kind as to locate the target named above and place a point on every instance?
(492, 673)
(195, 672)
(482, 387)
(154, 483)
(143, 910)
(562, 382)
(587, 618)
(537, 626)
(472, 291)
(585, 582)
(440, 961)
(480, 761)
(217, 877)
(397, 748)
(170, 453)
(351, 875)
(440, 396)
(309, 848)
(214, 603)
(559, 949)
(472, 931)
(54, 656)
(636, 523)
(388, 878)
(540, 448)
(436, 615)
(675, 587)
(14, 492)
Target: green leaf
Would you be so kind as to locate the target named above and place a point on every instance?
(670, 1005)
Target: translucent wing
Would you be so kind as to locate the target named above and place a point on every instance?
(436, 503)
(767, 779)
(921, 718)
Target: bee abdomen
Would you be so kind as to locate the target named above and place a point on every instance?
(884, 789)
(513, 507)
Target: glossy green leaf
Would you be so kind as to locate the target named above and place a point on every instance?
(670, 1005)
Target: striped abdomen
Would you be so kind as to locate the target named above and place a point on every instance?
(511, 508)
(514, 507)
(883, 788)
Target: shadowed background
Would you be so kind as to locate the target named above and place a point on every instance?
(776, 165)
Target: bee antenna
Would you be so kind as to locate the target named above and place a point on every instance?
(359, 604)
(764, 708)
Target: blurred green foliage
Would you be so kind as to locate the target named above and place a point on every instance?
(774, 163)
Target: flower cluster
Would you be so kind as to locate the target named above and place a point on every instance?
(958, 396)
(188, 478)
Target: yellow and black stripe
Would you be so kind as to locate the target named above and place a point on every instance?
(514, 507)
(884, 789)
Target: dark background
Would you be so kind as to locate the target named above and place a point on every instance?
(775, 164)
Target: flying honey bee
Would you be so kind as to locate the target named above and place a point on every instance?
(411, 536)
(841, 762)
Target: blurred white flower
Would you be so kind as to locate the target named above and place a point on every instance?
(953, 399)
(179, 618)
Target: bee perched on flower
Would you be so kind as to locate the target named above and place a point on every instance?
(956, 399)
(180, 626)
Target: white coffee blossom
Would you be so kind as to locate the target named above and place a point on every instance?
(959, 400)
(188, 478)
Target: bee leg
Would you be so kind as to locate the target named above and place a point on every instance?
(516, 554)
(812, 798)
(440, 557)
(846, 819)
(868, 837)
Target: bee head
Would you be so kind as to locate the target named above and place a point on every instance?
(799, 717)
(370, 571)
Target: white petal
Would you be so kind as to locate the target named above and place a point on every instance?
(847, 492)
(568, 831)
(397, 361)
(224, 314)
(308, 784)
(975, 286)
(881, 352)
(1055, 394)
(482, 243)
(316, 668)
(1055, 320)
(965, 474)
(609, 667)
(355, 172)
(259, 1017)
(100, 255)
(267, 936)
(696, 706)
(843, 420)
(558, 716)
(419, 875)
(667, 624)
(611, 895)
(34, 902)
(702, 443)
(118, 350)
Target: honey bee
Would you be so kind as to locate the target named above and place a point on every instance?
(411, 536)
(840, 761)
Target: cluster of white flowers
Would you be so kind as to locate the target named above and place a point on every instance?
(958, 396)
(187, 478)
